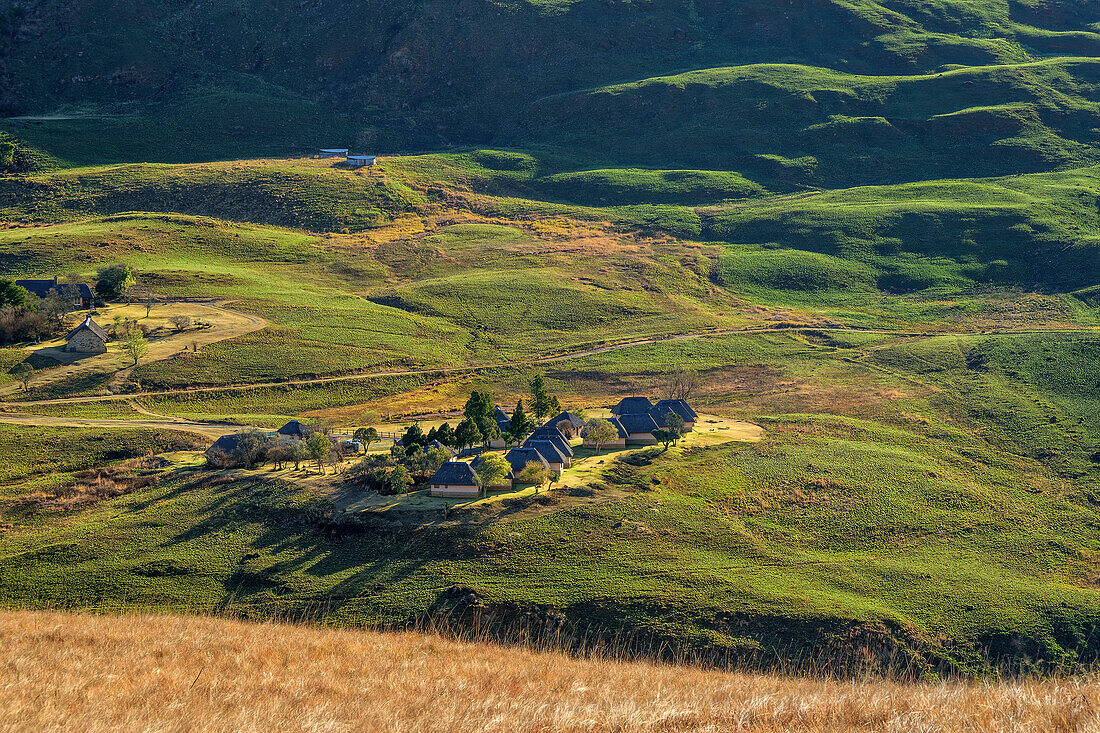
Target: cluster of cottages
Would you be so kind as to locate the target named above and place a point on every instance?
(291, 432)
(355, 161)
(549, 447)
(87, 338)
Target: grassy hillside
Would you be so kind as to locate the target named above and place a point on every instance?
(170, 82)
(237, 676)
(804, 125)
(934, 520)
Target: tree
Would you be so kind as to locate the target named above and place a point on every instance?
(12, 294)
(492, 469)
(433, 459)
(23, 372)
(400, 480)
(533, 473)
(666, 436)
(251, 448)
(279, 455)
(180, 323)
(681, 384)
(540, 398)
(367, 436)
(566, 428)
(414, 436)
(445, 435)
(319, 446)
(55, 310)
(489, 430)
(114, 281)
(298, 453)
(467, 434)
(599, 431)
(673, 421)
(479, 406)
(146, 297)
(520, 425)
(135, 345)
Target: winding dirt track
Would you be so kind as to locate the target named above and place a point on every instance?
(602, 349)
(219, 429)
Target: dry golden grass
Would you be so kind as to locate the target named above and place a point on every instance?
(73, 672)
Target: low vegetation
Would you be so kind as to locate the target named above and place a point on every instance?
(94, 673)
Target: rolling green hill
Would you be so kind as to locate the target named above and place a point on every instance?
(870, 227)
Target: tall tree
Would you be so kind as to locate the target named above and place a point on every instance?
(520, 425)
(366, 436)
(319, 447)
(400, 480)
(12, 294)
(681, 384)
(445, 435)
(467, 434)
(414, 436)
(599, 431)
(114, 281)
(666, 436)
(540, 398)
(492, 469)
(135, 345)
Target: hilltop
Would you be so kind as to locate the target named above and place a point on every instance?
(165, 672)
(823, 93)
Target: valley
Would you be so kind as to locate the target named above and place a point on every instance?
(860, 239)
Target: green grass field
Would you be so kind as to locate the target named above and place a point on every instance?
(899, 200)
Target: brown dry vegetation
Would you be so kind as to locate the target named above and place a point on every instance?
(72, 672)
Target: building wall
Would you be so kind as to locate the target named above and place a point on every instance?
(449, 490)
(86, 342)
(617, 443)
(642, 439)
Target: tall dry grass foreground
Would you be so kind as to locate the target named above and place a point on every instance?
(163, 673)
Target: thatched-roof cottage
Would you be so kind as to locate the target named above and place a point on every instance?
(455, 479)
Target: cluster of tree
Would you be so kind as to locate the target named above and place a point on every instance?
(23, 317)
(399, 471)
(479, 424)
(415, 436)
(255, 448)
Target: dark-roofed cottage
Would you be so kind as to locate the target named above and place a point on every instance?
(556, 437)
(518, 458)
(632, 406)
(87, 338)
(456, 479)
(79, 295)
(683, 409)
(575, 422)
(553, 456)
(220, 454)
(639, 428)
(294, 429)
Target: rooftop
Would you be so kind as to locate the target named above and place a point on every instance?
(455, 473)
